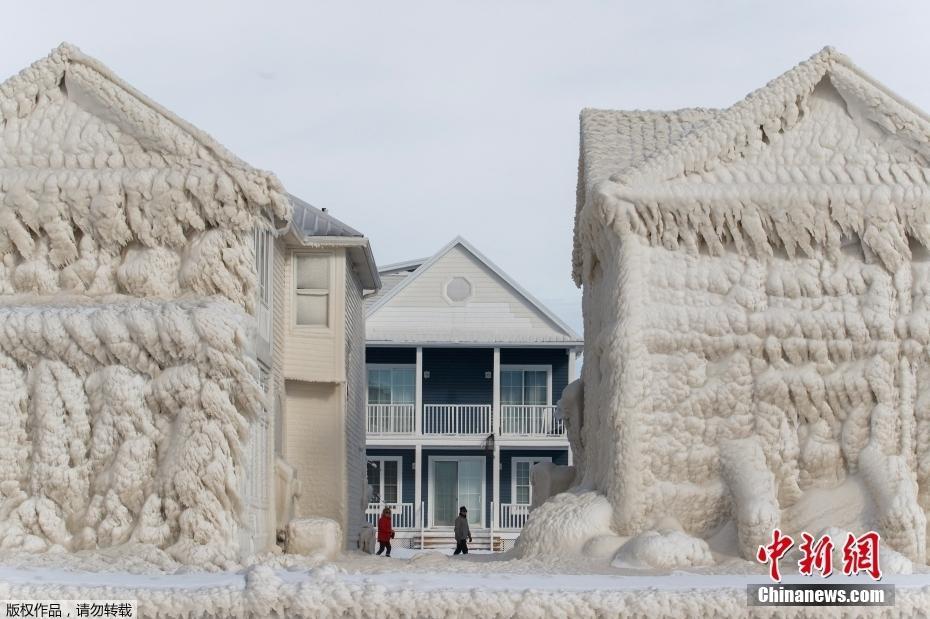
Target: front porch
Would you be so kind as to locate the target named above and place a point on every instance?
(424, 488)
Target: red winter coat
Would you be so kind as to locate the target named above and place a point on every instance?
(385, 530)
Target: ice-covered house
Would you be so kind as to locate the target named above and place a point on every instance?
(137, 323)
(464, 368)
(318, 271)
(757, 314)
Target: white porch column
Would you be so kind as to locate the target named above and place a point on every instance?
(571, 460)
(496, 485)
(418, 398)
(496, 395)
(571, 365)
(417, 483)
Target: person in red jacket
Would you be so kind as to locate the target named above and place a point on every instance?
(385, 532)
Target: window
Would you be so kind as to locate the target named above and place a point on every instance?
(311, 286)
(529, 386)
(263, 243)
(458, 289)
(391, 385)
(384, 480)
(522, 488)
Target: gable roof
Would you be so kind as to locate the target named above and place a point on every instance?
(643, 178)
(406, 273)
(68, 71)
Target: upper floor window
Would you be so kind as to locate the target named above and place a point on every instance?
(263, 242)
(312, 275)
(529, 386)
(391, 385)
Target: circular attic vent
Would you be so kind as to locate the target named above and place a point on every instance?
(458, 289)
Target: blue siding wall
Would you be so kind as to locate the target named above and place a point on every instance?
(559, 456)
(488, 470)
(556, 357)
(408, 481)
(457, 375)
(390, 355)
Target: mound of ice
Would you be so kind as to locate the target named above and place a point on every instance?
(665, 549)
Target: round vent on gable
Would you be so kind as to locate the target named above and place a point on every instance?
(458, 289)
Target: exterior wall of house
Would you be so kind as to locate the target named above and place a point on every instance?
(374, 354)
(315, 447)
(356, 498)
(457, 375)
(316, 354)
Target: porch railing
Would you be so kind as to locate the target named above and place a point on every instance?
(513, 515)
(531, 420)
(457, 419)
(391, 418)
(403, 515)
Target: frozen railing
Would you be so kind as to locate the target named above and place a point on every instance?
(531, 420)
(513, 515)
(391, 418)
(402, 514)
(457, 419)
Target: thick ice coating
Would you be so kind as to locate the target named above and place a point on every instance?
(757, 315)
(126, 281)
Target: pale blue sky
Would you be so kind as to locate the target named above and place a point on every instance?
(414, 122)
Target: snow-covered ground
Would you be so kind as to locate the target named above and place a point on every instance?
(413, 583)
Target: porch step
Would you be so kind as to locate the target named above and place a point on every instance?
(481, 540)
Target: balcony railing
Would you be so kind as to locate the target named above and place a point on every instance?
(403, 516)
(457, 419)
(513, 515)
(530, 420)
(391, 418)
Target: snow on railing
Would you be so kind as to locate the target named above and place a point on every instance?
(513, 515)
(402, 514)
(457, 419)
(391, 418)
(531, 420)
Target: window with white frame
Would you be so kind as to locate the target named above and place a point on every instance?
(526, 385)
(521, 487)
(384, 479)
(391, 384)
(263, 243)
(312, 276)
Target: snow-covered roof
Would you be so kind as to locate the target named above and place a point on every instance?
(817, 155)
(312, 226)
(312, 221)
(96, 88)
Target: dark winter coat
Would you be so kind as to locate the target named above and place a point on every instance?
(462, 531)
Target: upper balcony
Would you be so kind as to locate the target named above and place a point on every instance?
(466, 393)
(465, 420)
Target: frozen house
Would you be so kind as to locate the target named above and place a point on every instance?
(142, 306)
(464, 368)
(757, 312)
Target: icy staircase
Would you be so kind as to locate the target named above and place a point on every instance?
(481, 540)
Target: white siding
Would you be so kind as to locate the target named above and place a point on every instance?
(495, 311)
(355, 407)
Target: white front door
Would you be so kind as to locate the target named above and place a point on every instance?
(455, 482)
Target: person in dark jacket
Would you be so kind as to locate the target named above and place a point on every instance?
(385, 532)
(462, 532)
